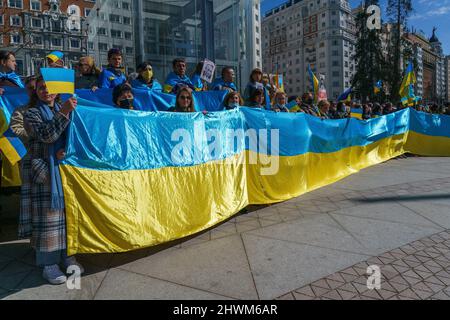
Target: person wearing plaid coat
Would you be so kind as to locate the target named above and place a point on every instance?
(46, 122)
(45, 226)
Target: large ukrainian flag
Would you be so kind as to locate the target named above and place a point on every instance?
(136, 179)
(130, 182)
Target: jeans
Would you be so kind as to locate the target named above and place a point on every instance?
(49, 258)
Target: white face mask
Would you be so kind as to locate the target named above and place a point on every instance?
(234, 105)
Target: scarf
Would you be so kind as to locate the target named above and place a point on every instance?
(116, 71)
(12, 77)
(57, 195)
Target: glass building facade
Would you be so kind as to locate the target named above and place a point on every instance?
(219, 30)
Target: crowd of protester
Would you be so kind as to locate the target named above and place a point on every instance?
(41, 125)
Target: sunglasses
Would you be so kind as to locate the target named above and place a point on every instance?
(185, 98)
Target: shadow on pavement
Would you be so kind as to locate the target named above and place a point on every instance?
(18, 270)
(407, 198)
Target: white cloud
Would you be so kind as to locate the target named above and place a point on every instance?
(432, 13)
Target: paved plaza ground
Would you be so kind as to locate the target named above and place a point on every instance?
(395, 215)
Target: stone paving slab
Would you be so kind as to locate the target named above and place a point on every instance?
(416, 271)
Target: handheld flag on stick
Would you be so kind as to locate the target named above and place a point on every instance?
(377, 87)
(293, 106)
(279, 82)
(314, 83)
(59, 80)
(407, 87)
(346, 95)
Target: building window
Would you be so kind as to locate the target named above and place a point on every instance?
(15, 21)
(1, 21)
(56, 26)
(90, 45)
(103, 47)
(116, 33)
(128, 35)
(36, 23)
(37, 40)
(101, 32)
(35, 5)
(56, 42)
(18, 4)
(125, 6)
(127, 20)
(87, 12)
(75, 43)
(129, 50)
(114, 18)
(16, 39)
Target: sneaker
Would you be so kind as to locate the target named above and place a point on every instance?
(54, 275)
(71, 261)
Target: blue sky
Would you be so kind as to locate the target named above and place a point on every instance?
(427, 13)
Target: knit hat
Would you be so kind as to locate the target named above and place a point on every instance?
(55, 56)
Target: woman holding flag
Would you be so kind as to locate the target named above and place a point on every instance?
(46, 121)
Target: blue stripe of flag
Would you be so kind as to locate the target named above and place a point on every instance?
(58, 75)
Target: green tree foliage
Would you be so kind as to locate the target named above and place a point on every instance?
(368, 57)
(398, 12)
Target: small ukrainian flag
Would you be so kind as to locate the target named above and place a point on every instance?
(377, 87)
(59, 80)
(314, 83)
(346, 95)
